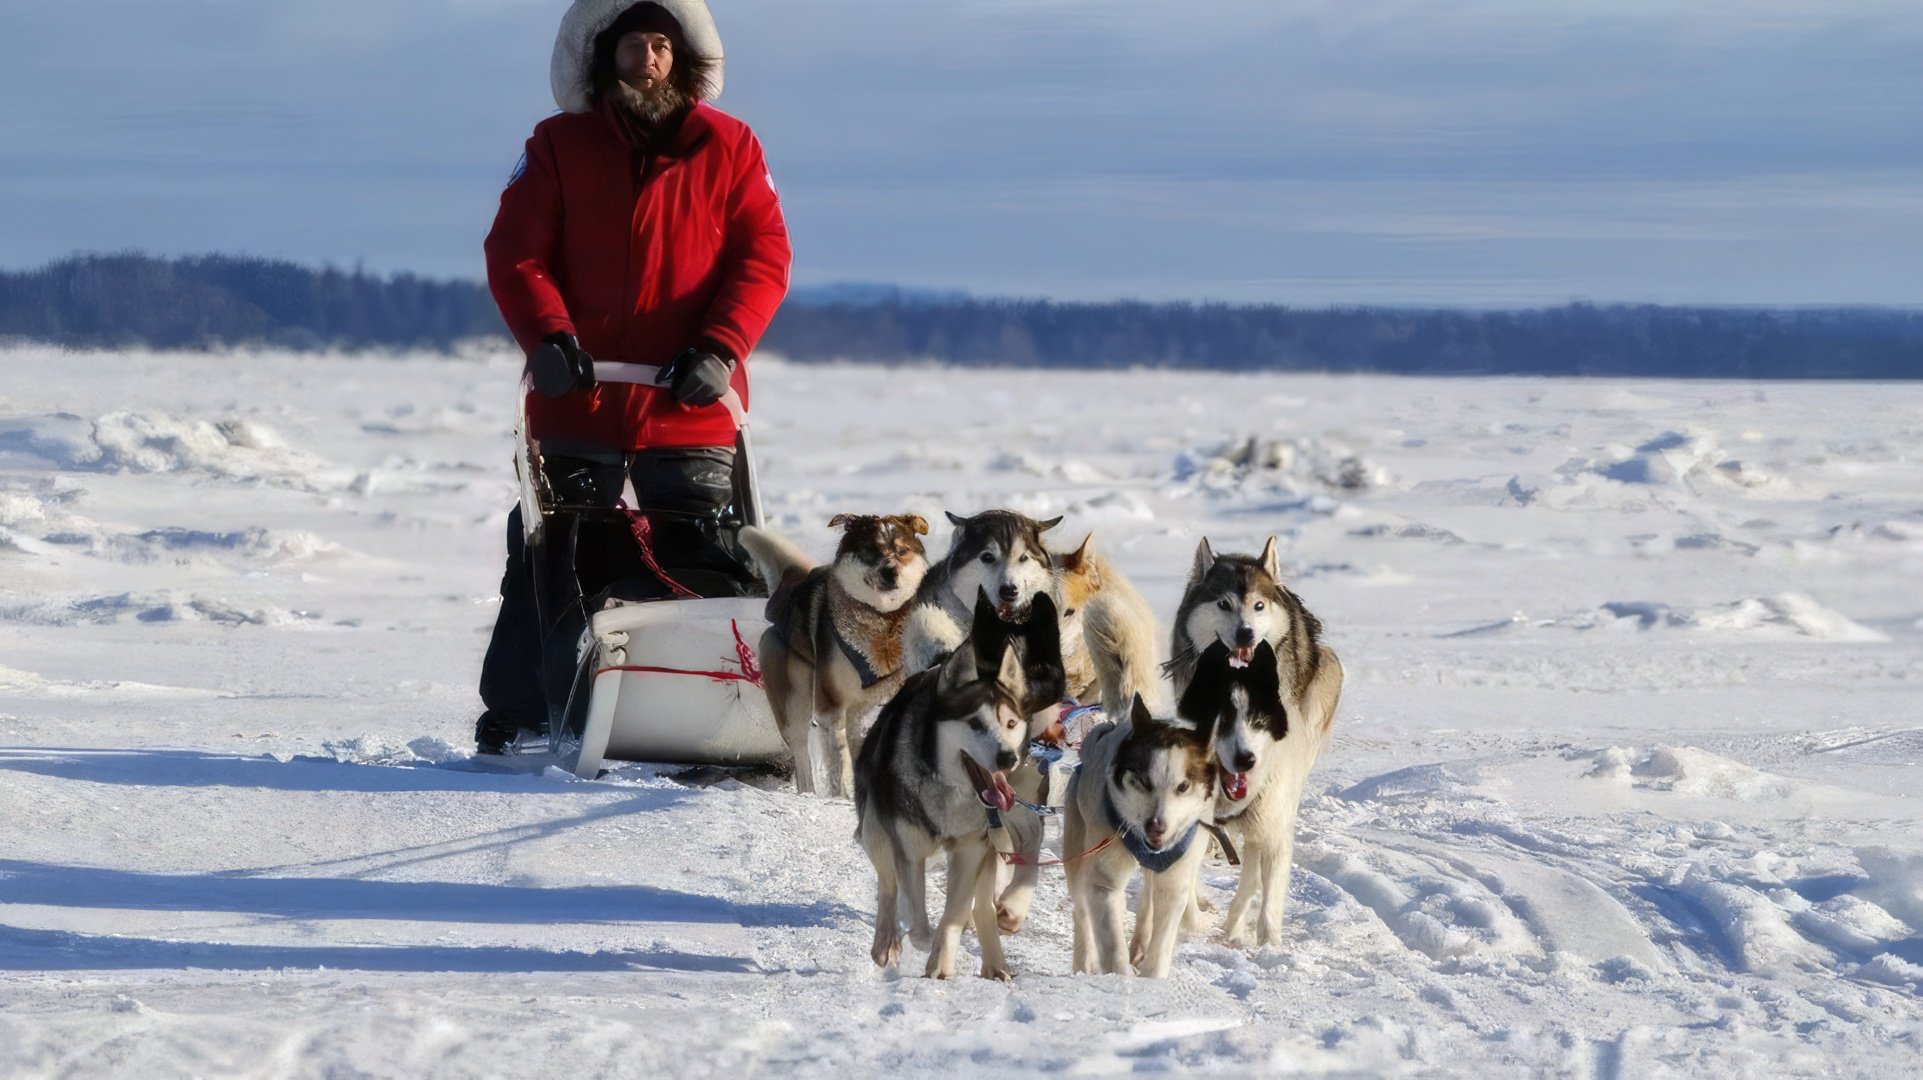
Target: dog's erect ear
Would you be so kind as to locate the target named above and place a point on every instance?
(955, 519)
(915, 522)
(1043, 631)
(1009, 675)
(1138, 715)
(1042, 656)
(1072, 560)
(1044, 526)
(987, 634)
(839, 520)
(1208, 690)
(1204, 558)
(1264, 680)
(1272, 560)
(958, 669)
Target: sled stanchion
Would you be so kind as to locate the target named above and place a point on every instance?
(744, 454)
(591, 751)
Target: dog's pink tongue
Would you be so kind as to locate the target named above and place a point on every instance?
(990, 787)
(1235, 785)
(1240, 657)
(1003, 795)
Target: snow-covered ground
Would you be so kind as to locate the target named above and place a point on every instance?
(1623, 782)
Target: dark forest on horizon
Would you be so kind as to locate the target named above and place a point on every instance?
(211, 301)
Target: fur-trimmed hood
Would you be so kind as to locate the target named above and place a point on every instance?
(572, 72)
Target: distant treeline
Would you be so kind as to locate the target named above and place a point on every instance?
(205, 301)
(214, 300)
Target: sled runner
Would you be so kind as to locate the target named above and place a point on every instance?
(648, 621)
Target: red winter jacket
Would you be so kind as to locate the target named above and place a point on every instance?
(638, 267)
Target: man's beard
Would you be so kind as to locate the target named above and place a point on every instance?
(656, 102)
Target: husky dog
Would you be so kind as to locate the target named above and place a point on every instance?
(1266, 748)
(1108, 653)
(997, 551)
(929, 772)
(833, 644)
(1108, 632)
(1139, 798)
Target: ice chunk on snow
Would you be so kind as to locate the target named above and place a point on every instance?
(1792, 611)
(1114, 505)
(380, 749)
(1416, 780)
(1756, 931)
(1782, 615)
(1264, 466)
(1686, 770)
(1895, 883)
(1681, 458)
(155, 442)
(1886, 968)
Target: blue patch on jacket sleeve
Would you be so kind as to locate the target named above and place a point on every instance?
(520, 170)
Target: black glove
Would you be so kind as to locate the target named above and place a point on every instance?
(697, 377)
(560, 366)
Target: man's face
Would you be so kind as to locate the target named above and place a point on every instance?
(642, 59)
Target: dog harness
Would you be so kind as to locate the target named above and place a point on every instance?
(1155, 862)
(787, 599)
(863, 666)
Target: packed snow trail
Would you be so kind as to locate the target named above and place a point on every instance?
(1622, 784)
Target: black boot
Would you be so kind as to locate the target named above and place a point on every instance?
(494, 733)
(511, 672)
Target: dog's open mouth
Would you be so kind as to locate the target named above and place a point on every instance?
(1011, 612)
(1240, 655)
(1235, 785)
(990, 787)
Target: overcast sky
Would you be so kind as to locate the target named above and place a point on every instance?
(1480, 152)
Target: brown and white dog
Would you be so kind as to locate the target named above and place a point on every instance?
(833, 647)
(1108, 633)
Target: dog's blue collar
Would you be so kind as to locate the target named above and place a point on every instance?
(1155, 862)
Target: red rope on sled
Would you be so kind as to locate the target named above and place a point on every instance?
(643, 531)
(744, 657)
(717, 676)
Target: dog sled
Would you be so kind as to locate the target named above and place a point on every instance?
(643, 658)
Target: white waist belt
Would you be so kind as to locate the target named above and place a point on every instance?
(617, 371)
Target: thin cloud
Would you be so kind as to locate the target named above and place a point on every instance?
(1391, 150)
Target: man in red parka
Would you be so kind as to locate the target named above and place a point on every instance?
(641, 233)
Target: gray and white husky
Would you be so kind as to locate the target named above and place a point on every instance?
(934, 763)
(1139, 799)
(999, 552)
(1264, 748)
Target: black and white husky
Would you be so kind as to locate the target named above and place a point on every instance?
(935, 761)
(1144, 788)
(1288, 691)
(999, 552)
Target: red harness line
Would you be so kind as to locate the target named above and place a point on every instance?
(1014, 858)
(643, 531)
